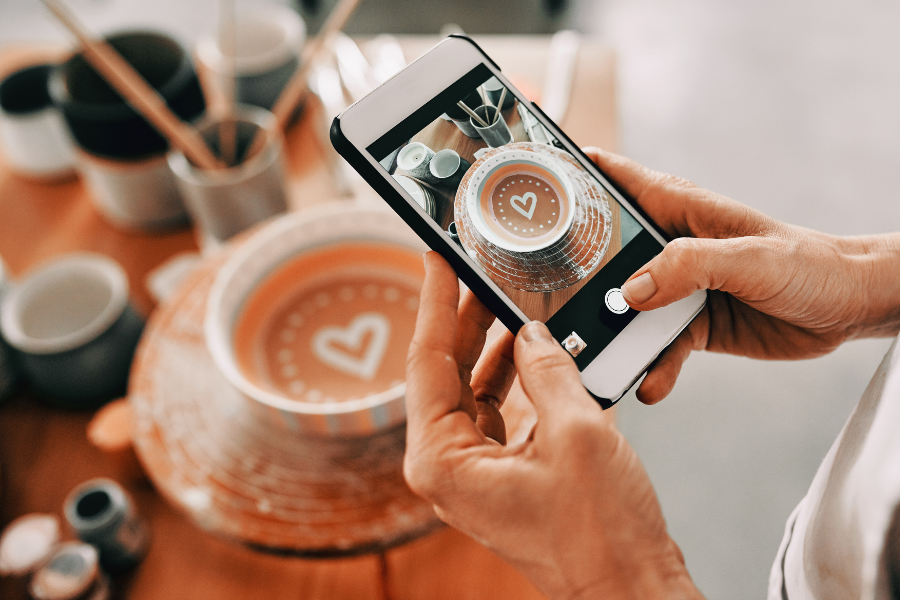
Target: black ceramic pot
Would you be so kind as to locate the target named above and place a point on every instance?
(100, 121)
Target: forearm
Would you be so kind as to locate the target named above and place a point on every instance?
(875, 259)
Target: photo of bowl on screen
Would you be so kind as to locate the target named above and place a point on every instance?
(521, 201)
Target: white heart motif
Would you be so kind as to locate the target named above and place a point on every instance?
(339, 347)
(523, 200)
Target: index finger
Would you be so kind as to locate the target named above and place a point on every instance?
(679, 207)
(432, 375)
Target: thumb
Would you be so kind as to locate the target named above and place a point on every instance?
(737, 265)
(548, 375)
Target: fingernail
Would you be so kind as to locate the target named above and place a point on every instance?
(640, 289)
(535, 331)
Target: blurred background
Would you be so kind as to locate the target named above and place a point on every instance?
(790, 106)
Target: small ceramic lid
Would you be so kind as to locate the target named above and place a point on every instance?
(27, 542)
(70, 572)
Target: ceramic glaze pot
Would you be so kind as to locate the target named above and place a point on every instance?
(73, 330)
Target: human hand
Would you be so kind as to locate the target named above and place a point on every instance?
(572, 507)
(777, 291)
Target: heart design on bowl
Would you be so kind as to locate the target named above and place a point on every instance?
(523, 200)
(343, 347)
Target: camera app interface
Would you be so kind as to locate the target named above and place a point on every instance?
(522, 207)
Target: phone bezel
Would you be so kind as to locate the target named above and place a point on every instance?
(355, 129)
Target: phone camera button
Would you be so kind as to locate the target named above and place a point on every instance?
(574, 344)
(615, 301)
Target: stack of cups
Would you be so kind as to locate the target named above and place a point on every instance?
(122, 156)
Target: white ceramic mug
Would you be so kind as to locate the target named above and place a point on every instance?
(32, 132)
(260, 55)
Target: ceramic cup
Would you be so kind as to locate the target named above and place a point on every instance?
(497, 133)
(461, 117)
(8, 373)
(414, 158)
(494, 90)
(447, 167)
(311, 320)
(521, 201)
(419, 193)
(101, 513)
(120, 154)
(73, 330)
(32, 132)
(225, 202)
(261, 56)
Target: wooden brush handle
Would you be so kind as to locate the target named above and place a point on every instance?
(129, 83)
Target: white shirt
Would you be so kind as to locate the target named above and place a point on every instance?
(833, 541)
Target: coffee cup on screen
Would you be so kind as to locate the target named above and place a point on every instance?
(521, 201)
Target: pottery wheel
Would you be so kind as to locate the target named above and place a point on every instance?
(564, 263)
(201, 446)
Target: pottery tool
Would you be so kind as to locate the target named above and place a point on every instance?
(500, 105)
(135, 89)
(472, 114)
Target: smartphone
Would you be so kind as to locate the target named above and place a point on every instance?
(528, 222)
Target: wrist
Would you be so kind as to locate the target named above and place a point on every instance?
(666, 578)
(874, 263)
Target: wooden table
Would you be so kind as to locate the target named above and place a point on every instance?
(44, 452)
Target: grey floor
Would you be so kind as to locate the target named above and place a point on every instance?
(791, 106)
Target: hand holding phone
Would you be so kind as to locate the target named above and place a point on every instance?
(524, 218)
(571, 508)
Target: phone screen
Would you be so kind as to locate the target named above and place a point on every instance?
(547, 232)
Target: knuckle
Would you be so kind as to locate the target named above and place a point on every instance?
(547, 358)
(681, 254)
(421, 477)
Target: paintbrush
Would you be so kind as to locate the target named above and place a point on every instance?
(473, 114)
(227, 126)
(297, 87)
(500, 105)
(135, 89)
